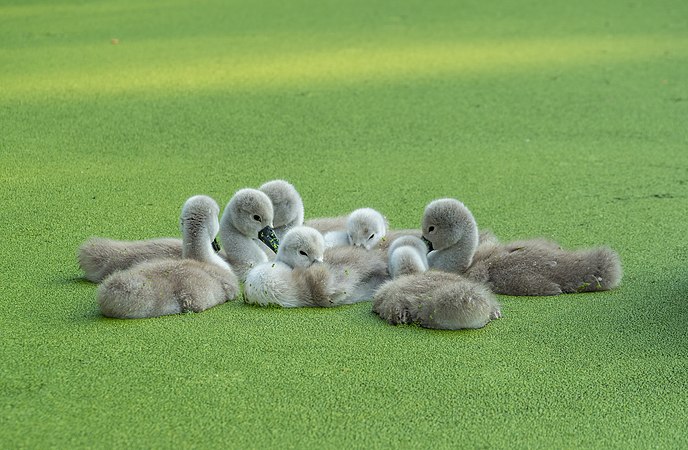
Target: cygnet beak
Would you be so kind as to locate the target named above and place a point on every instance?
(428, 244)
(216, 245)
(316, 261)
(268, 237)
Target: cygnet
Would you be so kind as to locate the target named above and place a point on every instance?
(198, 281)
(365, 228)
(529, 267)
(246, 223)
(296, 277)
(429, 298)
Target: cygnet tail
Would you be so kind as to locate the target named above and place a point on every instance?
(94, 255)
(133, 296)
(598, 269)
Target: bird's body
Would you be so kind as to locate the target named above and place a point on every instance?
(296, 277)
(431, 298)
(99, 257)
(197, 281)
(529, 267)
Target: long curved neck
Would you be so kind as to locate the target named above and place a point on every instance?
(459, 256)
(240, 249)
(197, 246)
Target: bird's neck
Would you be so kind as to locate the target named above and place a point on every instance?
(458, 257)
(198, 246)
(240, 248)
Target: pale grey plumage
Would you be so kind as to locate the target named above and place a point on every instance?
(356, 272)
(452, 230)
(198, 281)
(287, 205)
(247, 214)
(365, 227)
(407, 255)
(99, 257)
(432, 299)
(529, 267)
(327, 224)
(296, 277)
(541, 267)
(436, 299)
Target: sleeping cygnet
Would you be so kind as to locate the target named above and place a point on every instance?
(296, 277)
(431, 299)
(198, 281)
(529, 267)
(407, 255)
(365, 228)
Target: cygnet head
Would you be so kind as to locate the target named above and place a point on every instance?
(446, 221)
(250, 211)
(301, 247)
(198, 219)
(365, 228)
(286, 202)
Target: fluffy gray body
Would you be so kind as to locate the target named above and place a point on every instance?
(247, 213)
(541, 267)
(99, 257)
(161, 287)
(529, 267)
(198, 281)
(356, 273)
(432, 299)
(327, 224)
(296, 277)
(306, 274)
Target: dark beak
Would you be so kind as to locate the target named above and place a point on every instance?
(216, 245)
(428, 244)
(268, 237)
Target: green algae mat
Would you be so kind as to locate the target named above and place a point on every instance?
(560, 119)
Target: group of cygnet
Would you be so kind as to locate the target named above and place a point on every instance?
(444, 275)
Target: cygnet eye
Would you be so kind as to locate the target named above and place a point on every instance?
(371, 236)
(431, 229)
(301, 252)
(256, 217)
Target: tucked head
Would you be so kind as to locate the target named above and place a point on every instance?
(365, 228)
(408, 241)
(301, 247)
(407, 255)
(286, 202)
(199, 217)
(447, 221)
